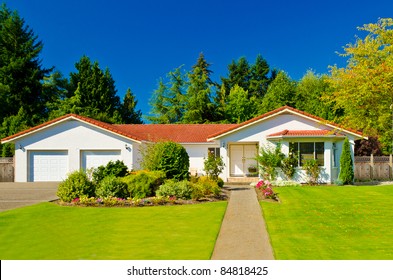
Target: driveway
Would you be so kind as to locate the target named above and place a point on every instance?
(14, 195)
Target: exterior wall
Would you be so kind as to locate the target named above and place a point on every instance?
(73, 136)
(197, 153)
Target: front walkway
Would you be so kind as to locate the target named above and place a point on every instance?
(243, 234)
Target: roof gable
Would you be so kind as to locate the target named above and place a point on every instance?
(280, 111)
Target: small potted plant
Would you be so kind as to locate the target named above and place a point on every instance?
(252, 170)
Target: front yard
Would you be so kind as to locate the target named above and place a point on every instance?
(48, 231)
(329, 222)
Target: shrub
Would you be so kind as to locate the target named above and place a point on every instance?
(170, 157)
(269, 159)
(76, 185)
(117, 168)
(288, 165)
(205, 187)
(111, 186)
(312, 170)
(213, 166)
(181, 190)
(143, 183)
(346, 175)
(265, 188)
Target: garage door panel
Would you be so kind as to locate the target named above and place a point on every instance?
(93, 159)
(48, 166)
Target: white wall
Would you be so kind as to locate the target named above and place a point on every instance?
(197, 153)
(73, 136)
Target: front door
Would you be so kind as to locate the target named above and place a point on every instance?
(242, 156)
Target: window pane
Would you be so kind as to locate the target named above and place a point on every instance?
(214, 151)
(319, 153)
(306, 152)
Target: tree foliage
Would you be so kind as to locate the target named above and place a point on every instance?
(364, 88)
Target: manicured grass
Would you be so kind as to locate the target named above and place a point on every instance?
(329, 222)
(49, 231)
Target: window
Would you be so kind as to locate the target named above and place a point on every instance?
(308, 150)
(214, 151)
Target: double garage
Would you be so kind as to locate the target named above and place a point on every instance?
(47, 166)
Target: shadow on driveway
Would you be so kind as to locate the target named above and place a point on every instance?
(14, 195)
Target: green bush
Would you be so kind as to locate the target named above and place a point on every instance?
(117, 168)
(76, 185)
(179, 189)
(143, 183)
(269, 159)
(213, 166)
(312, 170)
(288, 165)
(346, 175)
(205, 187)
(112, 186)
(170, 157)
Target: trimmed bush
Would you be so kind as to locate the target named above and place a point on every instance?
(205, 187)
(144, 183)
(169, 157)
(76, 185)
(116, 168)
(112, 186)
(346, 164)
(180, 190)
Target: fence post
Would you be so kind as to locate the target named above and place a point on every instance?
(390, 166)
(372, 167)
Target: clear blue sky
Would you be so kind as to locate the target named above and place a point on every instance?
(141, 41)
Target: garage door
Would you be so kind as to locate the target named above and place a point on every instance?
(93, 159)
(48, 166)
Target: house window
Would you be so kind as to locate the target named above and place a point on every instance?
(214, 151)
(308, 150)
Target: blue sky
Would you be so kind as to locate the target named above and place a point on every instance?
(141, 41)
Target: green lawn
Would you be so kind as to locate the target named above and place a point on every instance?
(331, 222)
(49, 231)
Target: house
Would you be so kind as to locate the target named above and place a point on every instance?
(49, 151)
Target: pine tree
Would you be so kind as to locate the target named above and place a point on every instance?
(128, 109)
(168, 100)
(199, 107)
(346, 164)
(21, 72)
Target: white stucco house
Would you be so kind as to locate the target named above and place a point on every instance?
(48, 152)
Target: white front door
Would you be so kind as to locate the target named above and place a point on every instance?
(242, 156)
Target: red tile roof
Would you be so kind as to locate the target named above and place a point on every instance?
(290, 133)
(181, 133)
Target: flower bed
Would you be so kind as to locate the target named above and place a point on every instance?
(265, 191)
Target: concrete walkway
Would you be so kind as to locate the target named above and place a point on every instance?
(243, 234)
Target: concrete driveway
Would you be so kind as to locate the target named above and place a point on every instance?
(14, 195)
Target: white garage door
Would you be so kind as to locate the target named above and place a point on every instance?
(48, 166)
(93, 159)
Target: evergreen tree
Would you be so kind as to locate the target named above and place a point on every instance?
(12, 125)
(260, 80)
(280, 92)
(129, 113)
(346, 164)
(198, 106)
(21, 71)
(168, 99)
(92, 93)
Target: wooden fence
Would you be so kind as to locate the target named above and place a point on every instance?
(7, 169)
(376, 168)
